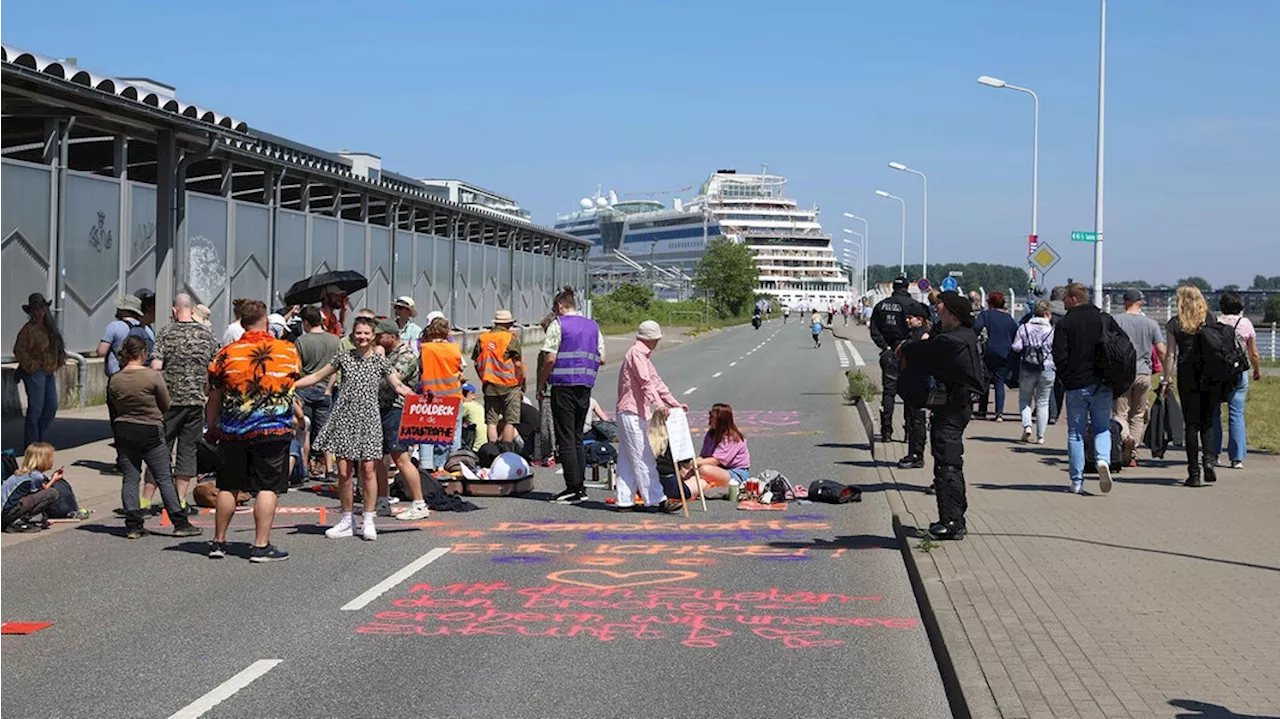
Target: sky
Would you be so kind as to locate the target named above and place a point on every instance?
(546, 101)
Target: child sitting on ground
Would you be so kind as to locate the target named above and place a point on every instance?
(30, 497)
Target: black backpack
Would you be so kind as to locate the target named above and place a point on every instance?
(825, 490)
(1222, 359)
(601, 454)
(1114, 359)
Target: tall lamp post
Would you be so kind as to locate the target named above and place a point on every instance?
(1097, 202)
(866, 249)
(902, 262)
(1035, 154)
(862, 256)
(924, 262)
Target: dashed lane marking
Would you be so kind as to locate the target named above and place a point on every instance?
(842, 355)
(690, 391)
(717, 374)
(732, 364)
(225, 690)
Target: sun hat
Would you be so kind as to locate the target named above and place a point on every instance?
(407, 302)
(129, 303)
(35, 299)
(649, 330)
(503, 317)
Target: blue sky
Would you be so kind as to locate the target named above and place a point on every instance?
(545, 101)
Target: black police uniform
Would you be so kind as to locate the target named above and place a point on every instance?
(951, 358)
(888, 329)
(913, 415)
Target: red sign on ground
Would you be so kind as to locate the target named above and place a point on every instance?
(431, 421)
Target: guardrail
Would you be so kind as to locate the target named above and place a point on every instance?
(1268, 341)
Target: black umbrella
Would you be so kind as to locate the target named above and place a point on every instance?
(310, 290)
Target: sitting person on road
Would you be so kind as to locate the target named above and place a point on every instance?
(1232, 313)
(1036, 375)
(29, 493)
(473, 436)
(724, 458)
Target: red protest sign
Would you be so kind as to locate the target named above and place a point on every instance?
(431, 421)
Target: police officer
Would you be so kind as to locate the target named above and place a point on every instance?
(950, 356)
(912, 408)
(888, 328)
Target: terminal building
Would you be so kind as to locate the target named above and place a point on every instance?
(111, 185)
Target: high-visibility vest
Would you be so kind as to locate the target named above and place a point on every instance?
(441, 368)
(493, 365)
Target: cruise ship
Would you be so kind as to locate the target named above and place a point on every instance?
(797, 264)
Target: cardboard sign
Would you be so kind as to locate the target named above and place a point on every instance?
(678, 435)
(429, 422)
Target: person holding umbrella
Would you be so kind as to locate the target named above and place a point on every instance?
(333, 308)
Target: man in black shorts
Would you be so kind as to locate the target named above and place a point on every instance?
(250, 413)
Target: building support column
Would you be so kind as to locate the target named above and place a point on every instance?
(169, 217)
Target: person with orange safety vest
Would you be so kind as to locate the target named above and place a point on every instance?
(497, 355)
(441, 375)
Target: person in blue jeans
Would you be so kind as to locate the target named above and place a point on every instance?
(1000, 327)
(40, 351)
(1088, 399)
(1232, 313)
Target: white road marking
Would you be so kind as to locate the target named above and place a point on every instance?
(225, 690)
(690, 391)
(853, 352)
(717, 374)
(382, 587)
(732, 364)
(844, 356)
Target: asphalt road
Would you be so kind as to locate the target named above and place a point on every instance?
(535, 610)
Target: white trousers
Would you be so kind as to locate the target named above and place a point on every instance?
(636, 467)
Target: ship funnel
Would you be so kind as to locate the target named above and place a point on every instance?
(613, 198)
(679, 205)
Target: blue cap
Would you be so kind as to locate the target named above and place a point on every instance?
(468, 387)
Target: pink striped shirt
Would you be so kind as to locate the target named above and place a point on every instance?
(640, 389)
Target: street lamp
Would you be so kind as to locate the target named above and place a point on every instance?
(866, 241)
(924, 262)
(902, 262)
(1097, 202)
(1035, 149)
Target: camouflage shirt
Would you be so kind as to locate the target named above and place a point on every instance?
(403, 359)
(186, 349)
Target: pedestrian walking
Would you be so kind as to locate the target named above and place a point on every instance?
(405, 309)
(184, 350)
(574, 348)
(815, 328)
(1088, 399)
(1036, 372)
(406, 365)
(950, 356)
(888, 330)
(1000, 328)
(316, 349)
(844, 310)
(250, 415)
(1130, 408)
(40, 352)
(913, 413)
(641, 391)
(141, 400)
(786, 313)
(500, 365)
(353, 433)
(1199, 391)
(440, 374)
(1232, 313)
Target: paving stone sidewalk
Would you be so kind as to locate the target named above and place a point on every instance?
(1156, 600)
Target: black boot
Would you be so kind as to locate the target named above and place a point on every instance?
(911, 461)
(133, 524)
(1193, 476)
(1210, 471)
(182, 527)
(954, 529)
(886, 427)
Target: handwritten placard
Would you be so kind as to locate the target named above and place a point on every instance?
(429, 421)
(678, 435)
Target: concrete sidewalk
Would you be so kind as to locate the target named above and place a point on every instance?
(1156, 600)
(83, 436)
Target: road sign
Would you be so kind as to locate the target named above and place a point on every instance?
(950, 284)
(955, 273)
(923, 285)
(1082, 236)
(1045, 257)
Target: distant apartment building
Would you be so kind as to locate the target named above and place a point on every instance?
(475, 197)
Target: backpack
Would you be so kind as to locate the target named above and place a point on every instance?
(825, 490)
(1222, 359)
(605, 431)
(1114, 360)
(1033, 355)
(774, 483)
(601, 454)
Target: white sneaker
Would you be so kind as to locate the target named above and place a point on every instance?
(383, 507)
(344, 528)
(1026, 435)
(1040, 441)
(1104, 477)
(414, 513)
(1237, 465)
(368, 531)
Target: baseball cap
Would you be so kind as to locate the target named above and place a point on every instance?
(1132, 295)
(387, 327)
(468, 387)
(900, 282)
(433, 315)
(918, 309)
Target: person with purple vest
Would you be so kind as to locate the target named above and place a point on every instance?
(574, 351)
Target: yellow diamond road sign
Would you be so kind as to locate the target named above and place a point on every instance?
(1045, 257)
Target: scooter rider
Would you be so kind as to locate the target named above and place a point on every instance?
(755, 317)
(888, 328)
